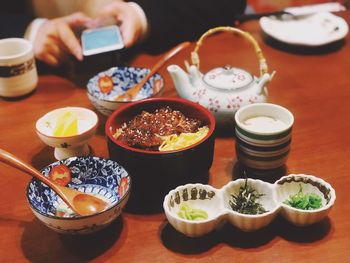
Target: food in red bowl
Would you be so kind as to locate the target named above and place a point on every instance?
(162, 143)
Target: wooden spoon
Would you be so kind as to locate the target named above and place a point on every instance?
(81, 203)
(131, 93)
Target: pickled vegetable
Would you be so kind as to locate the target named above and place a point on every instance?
(66, 125)
(308, 201)
(190, 213)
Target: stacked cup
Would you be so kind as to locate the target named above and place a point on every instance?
(18, 74)
(263, 135)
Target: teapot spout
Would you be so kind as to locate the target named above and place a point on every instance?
(181, 80)
(262, 83)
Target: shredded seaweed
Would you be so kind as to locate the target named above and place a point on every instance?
(246, 202)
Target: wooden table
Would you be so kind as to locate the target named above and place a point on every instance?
(315, 87)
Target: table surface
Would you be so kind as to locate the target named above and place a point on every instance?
(314, 85)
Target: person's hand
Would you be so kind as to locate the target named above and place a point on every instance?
(127, 17)
(55, 41)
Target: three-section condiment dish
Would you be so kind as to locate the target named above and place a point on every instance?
(217, 204)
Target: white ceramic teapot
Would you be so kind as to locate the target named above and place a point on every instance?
(225, 89)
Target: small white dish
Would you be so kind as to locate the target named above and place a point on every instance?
(197, 196)
(219, 204)
(216, 202)
(290, 185)
(310, 30)
(247, 222)
(68, 146)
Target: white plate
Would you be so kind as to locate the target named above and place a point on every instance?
(312, 30)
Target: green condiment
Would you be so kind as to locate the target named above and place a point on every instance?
(304, 201)
(190, 213)
(246, 202)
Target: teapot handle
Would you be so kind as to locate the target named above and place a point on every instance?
(262, 60)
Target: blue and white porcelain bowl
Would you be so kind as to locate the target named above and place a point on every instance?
(106, 86)
(94, 175)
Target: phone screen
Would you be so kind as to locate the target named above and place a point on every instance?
(101, 40)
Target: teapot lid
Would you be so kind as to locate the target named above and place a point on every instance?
(228, 78)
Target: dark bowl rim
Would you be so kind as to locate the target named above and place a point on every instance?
(162, 99)
(125, 102)
(79, 217)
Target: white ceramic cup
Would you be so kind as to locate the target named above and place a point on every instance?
(18, 74)
(264, 145)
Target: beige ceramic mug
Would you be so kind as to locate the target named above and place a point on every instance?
(18, 74)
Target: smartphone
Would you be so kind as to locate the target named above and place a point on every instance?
(100, 40)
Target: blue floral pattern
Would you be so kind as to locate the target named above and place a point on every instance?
(89, 174)
(123, 78)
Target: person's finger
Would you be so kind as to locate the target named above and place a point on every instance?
(68, 38)
(77, 19)
(59, 51)
(109, 14)
(103, 21)
(127, 35)
(106, 18)
(129, 32)
(46, 50)
(51, 53)
(49, 59)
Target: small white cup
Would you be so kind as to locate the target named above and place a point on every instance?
(18, 74)
(263, 145)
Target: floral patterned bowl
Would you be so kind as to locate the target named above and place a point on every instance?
(106, 86)
(94, 175)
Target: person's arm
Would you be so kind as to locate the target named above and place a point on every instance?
(173, 21)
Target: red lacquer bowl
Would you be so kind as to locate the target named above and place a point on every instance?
(154, 173)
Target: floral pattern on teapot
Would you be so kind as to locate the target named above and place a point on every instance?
(223, 102)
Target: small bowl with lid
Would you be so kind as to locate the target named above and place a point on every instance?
(106, 86)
